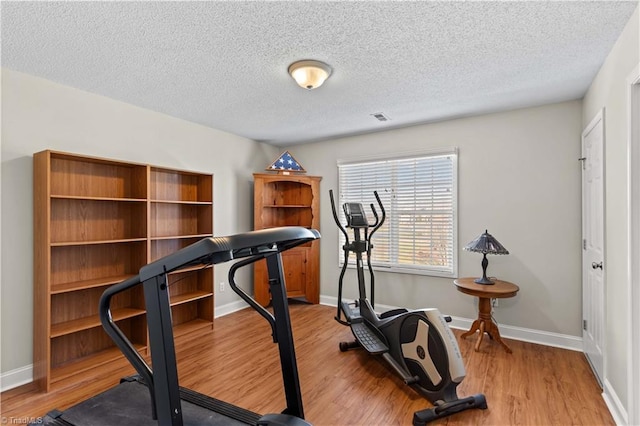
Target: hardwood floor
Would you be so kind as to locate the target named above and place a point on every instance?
(237, 362)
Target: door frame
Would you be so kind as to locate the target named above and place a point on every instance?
(633, 218)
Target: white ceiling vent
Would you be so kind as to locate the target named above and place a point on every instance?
(380, 116)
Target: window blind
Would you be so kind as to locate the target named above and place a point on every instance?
(419, 194)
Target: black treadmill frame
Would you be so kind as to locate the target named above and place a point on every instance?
(162, 381)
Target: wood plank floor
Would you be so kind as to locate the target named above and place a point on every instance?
(237, 362)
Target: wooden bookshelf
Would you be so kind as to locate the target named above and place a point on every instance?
(289, 200)
(96, 223)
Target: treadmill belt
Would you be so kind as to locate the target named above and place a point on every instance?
(129, 403)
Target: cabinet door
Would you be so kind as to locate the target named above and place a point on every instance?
(294, 263)
(261, 284)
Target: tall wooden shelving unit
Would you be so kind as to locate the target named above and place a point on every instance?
(96, 222)
(289, 200)
(181, 211)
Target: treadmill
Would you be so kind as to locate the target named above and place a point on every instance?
(153, 397)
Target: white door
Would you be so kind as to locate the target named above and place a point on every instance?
(593, 292)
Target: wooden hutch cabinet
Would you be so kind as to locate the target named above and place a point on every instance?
(96, 222)
(289, 200)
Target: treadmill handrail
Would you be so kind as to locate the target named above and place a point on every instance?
(119, 338)
(248, 299)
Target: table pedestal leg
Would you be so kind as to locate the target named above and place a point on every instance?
(485, 324)
(474, 327)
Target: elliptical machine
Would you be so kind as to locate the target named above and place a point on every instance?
(417, 344)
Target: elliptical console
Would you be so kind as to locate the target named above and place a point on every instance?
(418, 344)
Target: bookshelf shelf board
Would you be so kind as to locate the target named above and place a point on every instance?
(191, 268)
(97, 242)
(89, 198)
(195, 203)
(286, 206)
(189, 297)
(92, 321)
(87, 284)
(181, 237)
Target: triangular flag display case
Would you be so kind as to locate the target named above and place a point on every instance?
(289, 200)
(286, 164)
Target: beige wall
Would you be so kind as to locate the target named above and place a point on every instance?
(38, 114)
(609, 91)
(519, 177)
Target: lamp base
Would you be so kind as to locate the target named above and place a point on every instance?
(483, 280)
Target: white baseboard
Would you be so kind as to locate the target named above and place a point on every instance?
(616, 408)
(546, 338)
(16, 377)
(229, 308)
(510, 332)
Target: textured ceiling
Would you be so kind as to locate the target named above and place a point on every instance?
(224, 64)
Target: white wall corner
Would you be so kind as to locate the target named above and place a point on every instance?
(633, 218)
(16, 377)
(614, 405)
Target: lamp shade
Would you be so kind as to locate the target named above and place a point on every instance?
(309, 74)
(486, 244)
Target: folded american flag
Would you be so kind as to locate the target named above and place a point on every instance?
(286, 162)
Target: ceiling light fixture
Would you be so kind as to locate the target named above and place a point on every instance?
(309, 74)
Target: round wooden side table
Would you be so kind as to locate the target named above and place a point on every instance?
(485, 292)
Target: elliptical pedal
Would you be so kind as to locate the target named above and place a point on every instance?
(368, 338)
(443, 409)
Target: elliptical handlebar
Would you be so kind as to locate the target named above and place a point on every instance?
(358, 222)
(335, 217)
(339, 313)
(377, 224)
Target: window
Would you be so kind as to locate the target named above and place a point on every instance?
(419, 194)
